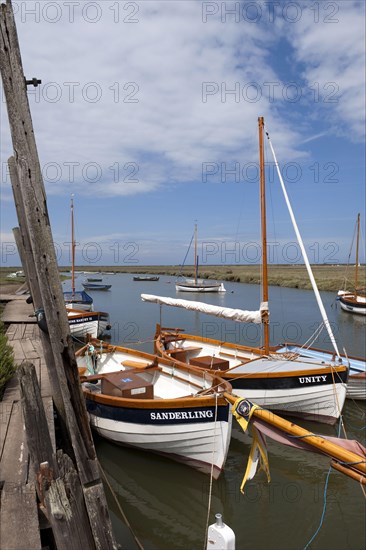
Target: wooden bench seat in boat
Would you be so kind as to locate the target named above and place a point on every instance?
(210, 363)
(172, 351)
(235, 356)
(137, 364)
(180, 354)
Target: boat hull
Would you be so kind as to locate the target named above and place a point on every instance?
(356, 385)
(282, 382)
(352, 305)
(197, 436)
(78, 300)
(192, 287)
(96, 286)
(163, 408)
(314, 400)
(92, 323)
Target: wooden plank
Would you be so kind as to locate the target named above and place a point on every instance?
(136, 364)
(14, 458)
(11, 332)
(5, 413)
(18, 312)
(37, 433)
(11, 297)
(19, 526)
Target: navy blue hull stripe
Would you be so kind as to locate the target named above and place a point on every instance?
(158, 416)
(288, 382)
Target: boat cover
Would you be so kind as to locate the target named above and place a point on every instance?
(240, 315)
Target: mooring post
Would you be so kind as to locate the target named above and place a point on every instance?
(36, 219)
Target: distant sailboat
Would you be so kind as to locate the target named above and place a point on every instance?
(354, 301)
(77, 299)
(196, 284)
(83, 320)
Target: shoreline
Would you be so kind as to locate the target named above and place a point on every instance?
(328, 277)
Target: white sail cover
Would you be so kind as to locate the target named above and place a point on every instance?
(227, 313)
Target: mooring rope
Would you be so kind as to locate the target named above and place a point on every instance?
(119, 506)
(211, 477)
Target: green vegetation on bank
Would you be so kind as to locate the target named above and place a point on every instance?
(7, 367)
(328, 277)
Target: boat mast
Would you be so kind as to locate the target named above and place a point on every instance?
(264, 236)
(72, 247)
(357, 245)
(304, 254)
(195, 254)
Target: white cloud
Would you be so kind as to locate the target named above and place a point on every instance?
(161, 62)
(332, 50)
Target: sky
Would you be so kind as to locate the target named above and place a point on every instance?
(147, 113)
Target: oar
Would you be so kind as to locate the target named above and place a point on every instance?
(338, 453)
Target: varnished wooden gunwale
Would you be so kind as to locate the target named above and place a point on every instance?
(233, 375)
(107, 348)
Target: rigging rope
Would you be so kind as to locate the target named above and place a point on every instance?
(119, 506)
(304, 254)
(185, 257)
(211, 478)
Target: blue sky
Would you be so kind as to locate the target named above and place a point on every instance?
(148, 112)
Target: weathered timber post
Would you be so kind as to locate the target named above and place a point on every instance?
(58, 485)
(26, 256)
(34, 204)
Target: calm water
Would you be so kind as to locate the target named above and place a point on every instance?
(166, 503)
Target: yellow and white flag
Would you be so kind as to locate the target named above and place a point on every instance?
(243, 411)
(257, 457)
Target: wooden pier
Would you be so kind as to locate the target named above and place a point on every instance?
(22, 522)
(42, 489)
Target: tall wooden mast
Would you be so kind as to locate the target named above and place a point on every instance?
(195, 254)
(72, 247)
(264, 236)
(357, 249)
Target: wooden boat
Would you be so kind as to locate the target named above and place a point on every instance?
(78, 299)
(144, 278)
(354, 301)
(196, 284)
(141, 400)
(96, 286)
(283, 382)
(286, 382)
(85, 324)
(356, 385)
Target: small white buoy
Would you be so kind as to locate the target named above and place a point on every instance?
(220, 536)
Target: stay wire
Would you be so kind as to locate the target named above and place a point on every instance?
(119, 506)
(211, 478)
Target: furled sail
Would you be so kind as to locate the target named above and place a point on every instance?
(239, 315)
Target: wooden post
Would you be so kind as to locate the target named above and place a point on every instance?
(46, 273)
(58, 485)
(26, 256)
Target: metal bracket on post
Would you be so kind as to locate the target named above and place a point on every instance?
(33, 82)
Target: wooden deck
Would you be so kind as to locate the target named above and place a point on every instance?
(17, 310)
(19, 513)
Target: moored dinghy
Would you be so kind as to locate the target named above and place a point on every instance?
(354, 301)
(283, 382)
(150, 403)
(85, 324)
